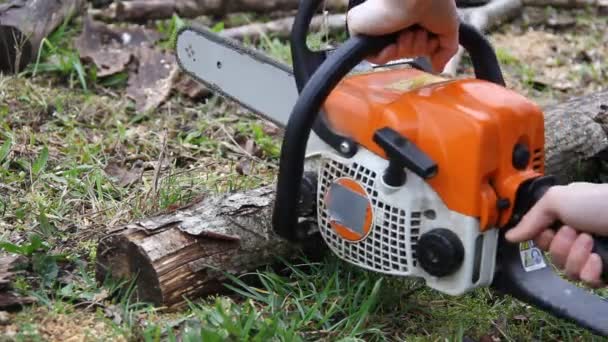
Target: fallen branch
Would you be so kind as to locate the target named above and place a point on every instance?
(484, 18)
(141, 10)
(564, 3)
(183, 254)
(23, 26)
(282, 27)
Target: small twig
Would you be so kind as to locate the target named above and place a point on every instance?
(252, 157)
(282, 27)
(161, 157)
(8, 187)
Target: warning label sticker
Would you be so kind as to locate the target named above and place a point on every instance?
(531, 256)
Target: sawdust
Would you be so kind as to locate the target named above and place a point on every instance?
(48, 326)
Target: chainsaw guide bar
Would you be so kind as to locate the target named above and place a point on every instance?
(241, 74)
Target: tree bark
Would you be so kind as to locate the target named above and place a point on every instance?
(183, 254)
(141, 10)
(576, 132)
(23, 26)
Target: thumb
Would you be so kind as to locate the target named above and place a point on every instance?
(539, 218)
(378, 17)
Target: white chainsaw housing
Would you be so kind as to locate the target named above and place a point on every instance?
(400, 216)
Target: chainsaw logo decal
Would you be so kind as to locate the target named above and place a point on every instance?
(350, 209)
(415, 82)
(531, 257)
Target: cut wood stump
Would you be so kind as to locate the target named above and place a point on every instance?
(23, 26)
(184, 254)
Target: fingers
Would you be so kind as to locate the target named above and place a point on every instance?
(375, 18)
(420, 43)
(405, 43)
(561, 244)
(591, 271)
(448, 47)
(410, 43)
(543, 240)
(572, 252)
(580, 251)
(539, 218)
(387, 54)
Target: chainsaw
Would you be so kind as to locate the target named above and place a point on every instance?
(407, 172)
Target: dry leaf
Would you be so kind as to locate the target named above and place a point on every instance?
(270, 128)
(4, 318)
(244, 167)
(101, 296)
(114, 312)
(250, 146)
(123, 176)
(151, 84)
(190, 87)
(111, 49)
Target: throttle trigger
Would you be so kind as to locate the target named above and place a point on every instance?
(401, 153)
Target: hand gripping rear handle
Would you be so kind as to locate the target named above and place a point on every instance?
(543, 287)
(306, 62)
(316, 76)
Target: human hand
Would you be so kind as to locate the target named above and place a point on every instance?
(583, 209)
(435, 37)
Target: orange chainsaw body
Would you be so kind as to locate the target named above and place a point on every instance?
(469, 127)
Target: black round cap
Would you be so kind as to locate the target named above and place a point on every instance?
(440, 252)
(521, 156)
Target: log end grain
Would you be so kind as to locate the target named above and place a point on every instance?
(120, 258)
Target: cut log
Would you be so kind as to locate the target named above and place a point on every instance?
(184, 254)
(23, 26)
(142, 10)
(577, 131)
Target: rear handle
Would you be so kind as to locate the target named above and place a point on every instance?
(600, 243)
(523, 272)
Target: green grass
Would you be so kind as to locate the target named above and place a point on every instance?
(60, 128)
